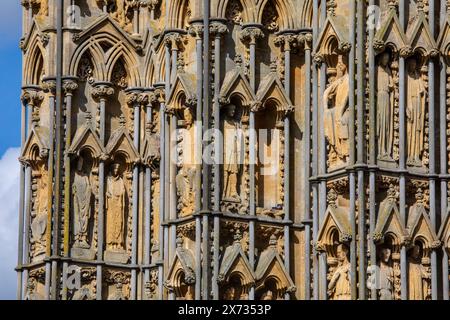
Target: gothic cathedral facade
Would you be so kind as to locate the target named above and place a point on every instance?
(235, 149)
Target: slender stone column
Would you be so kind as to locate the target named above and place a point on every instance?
(148, 100)
(432, 148)
(196, 30)
(402, 167)
(315, 155)
(69, 86)
(206, 203)
(306, 39)
(372, 139)
(49, 86)
(33, 97)
(249, 35)
(30, 97)
(134, 103)
(443, 164)
(361, 159)
(160, 95)
(217, 29)
(101, 92)
(135, 5)
(21, 203)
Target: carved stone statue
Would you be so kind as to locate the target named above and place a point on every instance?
(386, 275)
(115, 208)
(39, 215)
(339, 286)
(336, 116)
(385, 108)
(415, 114)
(186, 191)
(417, 274)
(82, 199)
(232, 149)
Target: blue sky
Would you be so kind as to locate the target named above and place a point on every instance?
(10, 83)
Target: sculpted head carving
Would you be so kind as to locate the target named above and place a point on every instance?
(415, 252)
(80, 164)
(115, 169)
(342, 253)
(341, 68)
(385, 255)
(412, 65)
(231, 111)
(385, 58)
(188, 117)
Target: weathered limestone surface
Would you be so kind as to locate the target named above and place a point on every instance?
(269, 150)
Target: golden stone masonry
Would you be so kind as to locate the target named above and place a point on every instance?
(235, 149)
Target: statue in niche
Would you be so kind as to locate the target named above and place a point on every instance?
(185, 184)
(384, 275)
(415, 114)
(39, 215)
(186, 176)
(82, 200)
(336, 114)
(233, 155)
(121, 14)
(339, 286)
(385, 108)
(417, 275)
(115, 208)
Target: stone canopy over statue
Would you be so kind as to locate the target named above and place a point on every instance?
(336, 116)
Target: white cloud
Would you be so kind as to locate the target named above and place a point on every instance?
(9, 214)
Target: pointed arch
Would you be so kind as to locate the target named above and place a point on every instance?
(219, 9)
(104, 62)
(179, 12)
(35, 66)
(285, 10)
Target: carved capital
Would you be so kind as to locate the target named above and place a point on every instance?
(318, 59)
(217, 28)
(69, 86)
(249, 35)
(378, 45)
(32, 97)
(132, 98)
(173, 40)
(49, 85)
(406, 52)
(196, 30)
(102, 91)
(160, 95)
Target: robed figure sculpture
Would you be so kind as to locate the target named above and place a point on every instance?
(336, 115)
(415, 115)
(115, 208)
(385, 108)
